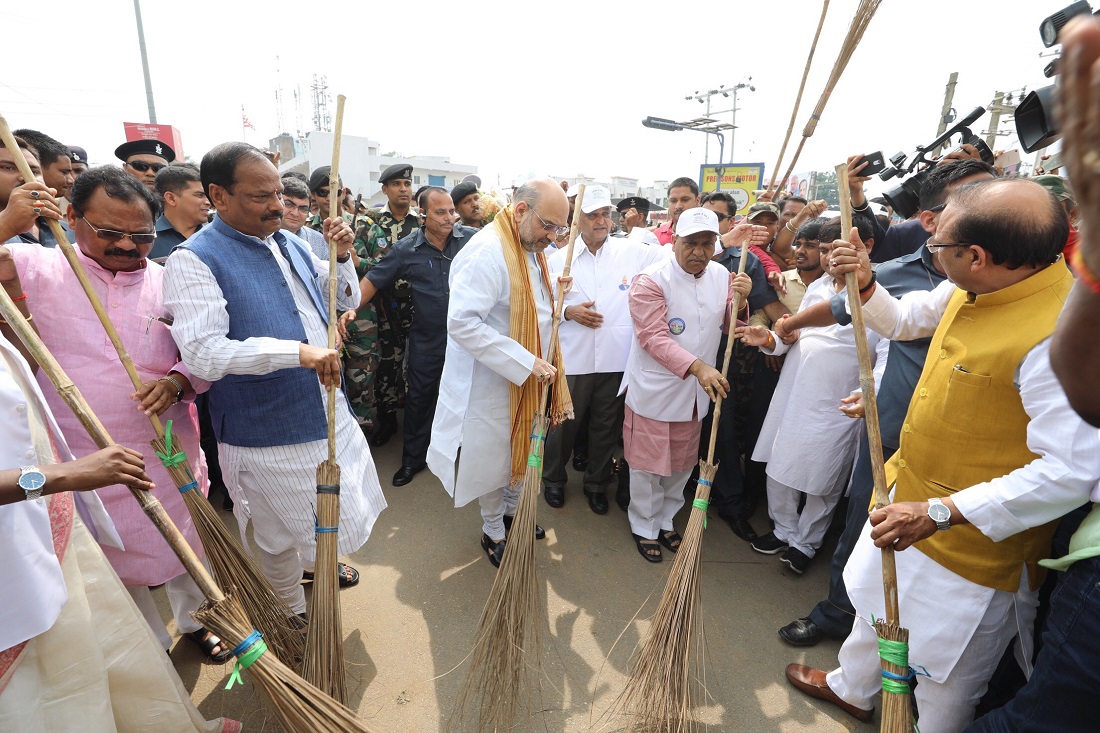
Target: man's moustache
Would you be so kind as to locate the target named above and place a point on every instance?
(116, 252)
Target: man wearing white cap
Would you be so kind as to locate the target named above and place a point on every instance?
(595, 340)
(678, 307)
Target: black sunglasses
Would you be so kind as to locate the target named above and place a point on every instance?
(141, 166)
(111, 235)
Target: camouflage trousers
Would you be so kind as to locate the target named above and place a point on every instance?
(393, 334)
(361, 365)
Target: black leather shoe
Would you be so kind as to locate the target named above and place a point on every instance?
(622, 496)
(802, 632)
(743, 529)
(540, 533)
(384, 428)
(555, 496)
(580, 459)
(405, 474)
(597, 502)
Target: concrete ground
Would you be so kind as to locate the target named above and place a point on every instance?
(410, 621)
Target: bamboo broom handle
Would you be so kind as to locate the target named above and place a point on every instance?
(735, 308)
(68, 391)
(559, 298)
(81, 274)
(870, 403)
(798, 98)
(333, 212)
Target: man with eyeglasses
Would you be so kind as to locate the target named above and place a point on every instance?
(186, 208)
(249, 302)
(112, 217)
(991, 453)
(424, 259)
(296, 207)
(595, 339)
(498, 326)
(144, 159)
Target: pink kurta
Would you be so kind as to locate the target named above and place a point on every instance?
(654, 446)
(73, 334)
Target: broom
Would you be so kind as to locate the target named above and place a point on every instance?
(798, 97)
(299, 706)
(660, 693)
(232, 566)
(864, 13)
(897, 714)
(324, 661)
(506, 646)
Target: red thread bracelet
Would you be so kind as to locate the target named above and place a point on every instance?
(21, 297)
(1085, 276)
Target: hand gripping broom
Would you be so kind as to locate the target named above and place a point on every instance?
(505, 658)
(893, 640)
(299, 706)
(232, 566)
(660, 692)
(324, 661)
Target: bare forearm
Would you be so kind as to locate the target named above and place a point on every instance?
(819, 314)
(1075, 352)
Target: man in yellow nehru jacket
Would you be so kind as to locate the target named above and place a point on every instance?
(991, 455)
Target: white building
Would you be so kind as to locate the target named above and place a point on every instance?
(361, 164)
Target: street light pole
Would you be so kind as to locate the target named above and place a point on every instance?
(145, 64)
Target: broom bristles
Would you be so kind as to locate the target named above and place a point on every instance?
(234, 568)
(897, 712)
(323, 665)
(666, 674)
(499, 691)
(299, 706)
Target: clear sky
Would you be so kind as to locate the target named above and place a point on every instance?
(517, 87)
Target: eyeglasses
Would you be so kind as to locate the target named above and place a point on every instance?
(299, 209)
(322, 192)
(141, 166)
(937, 208)
(110, 235)
(933, 245)
(560, 231)
(722, 217)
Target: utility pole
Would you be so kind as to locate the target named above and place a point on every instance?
(947, 114)
(994, 119)
(145, 64)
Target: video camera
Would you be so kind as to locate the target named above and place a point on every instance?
(905, 197)
(1035, 125)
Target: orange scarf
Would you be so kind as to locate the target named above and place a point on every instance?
(525, 400)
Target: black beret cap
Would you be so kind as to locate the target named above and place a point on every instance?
(462, 190)
(398, 170)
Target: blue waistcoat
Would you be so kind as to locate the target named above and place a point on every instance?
(283, 407)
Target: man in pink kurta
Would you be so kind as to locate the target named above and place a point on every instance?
(129, 286)
(678, 307)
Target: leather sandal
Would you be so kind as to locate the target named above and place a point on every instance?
(208, 642)
(495, 550)
(649, 549)
(671, 539)
(349, 576)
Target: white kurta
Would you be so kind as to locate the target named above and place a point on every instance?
(942, 609)
(287, 473)
(603, 278)
(473, 413)
(808, 444)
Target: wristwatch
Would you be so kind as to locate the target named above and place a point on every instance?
(939, 513)
(32, 481)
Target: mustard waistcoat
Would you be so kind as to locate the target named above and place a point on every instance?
(966, 423)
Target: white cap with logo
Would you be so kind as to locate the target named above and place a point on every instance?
(696, 220)
(595, 197)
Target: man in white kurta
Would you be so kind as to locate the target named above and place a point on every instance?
(595, 334)
(482, 362)
(272, 481)
(677, 306)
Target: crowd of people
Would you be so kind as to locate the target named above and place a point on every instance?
(216, 277)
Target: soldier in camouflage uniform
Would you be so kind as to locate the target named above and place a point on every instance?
(395, 308)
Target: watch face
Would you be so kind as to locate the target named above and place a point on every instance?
(32, 481)
(939, 513)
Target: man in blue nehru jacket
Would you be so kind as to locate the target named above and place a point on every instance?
(251, 317)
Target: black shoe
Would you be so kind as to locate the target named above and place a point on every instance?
(795, 561)
(622, 496)
(597, 502)
(580, 460)
(495, 550)
(540, 533)
(769, 544)
(405, 474)
(384, 428)
(743, 529)
(555, 496)
(802, 632)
